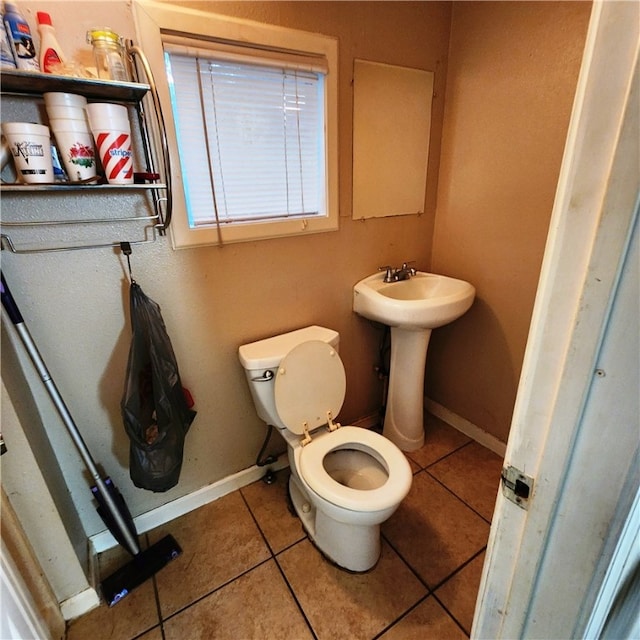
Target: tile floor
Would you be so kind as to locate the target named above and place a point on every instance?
(249, 572)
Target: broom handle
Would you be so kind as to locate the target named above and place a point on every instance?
(16, 317)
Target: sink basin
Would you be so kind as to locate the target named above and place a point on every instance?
(412, 308)
(425, 301)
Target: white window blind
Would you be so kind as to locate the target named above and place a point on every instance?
(250, 134)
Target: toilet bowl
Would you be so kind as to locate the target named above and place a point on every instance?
(345, 480)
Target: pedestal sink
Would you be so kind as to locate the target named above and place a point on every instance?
(412, 308)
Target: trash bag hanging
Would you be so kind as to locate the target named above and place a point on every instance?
(155, 409)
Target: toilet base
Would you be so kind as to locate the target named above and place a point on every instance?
(355, 548)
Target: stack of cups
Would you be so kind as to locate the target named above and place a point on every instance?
(68, 122)
(30, 147)
(112, 133)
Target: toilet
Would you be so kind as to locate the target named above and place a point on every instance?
(345, 481)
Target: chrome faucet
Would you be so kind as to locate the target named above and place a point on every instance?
(398, 273)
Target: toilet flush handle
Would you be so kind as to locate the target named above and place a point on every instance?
(265, 377)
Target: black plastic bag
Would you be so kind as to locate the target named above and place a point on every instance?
(154, 407)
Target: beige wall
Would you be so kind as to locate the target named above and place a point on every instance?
(215, 299)
(509, 93)
(511, 79)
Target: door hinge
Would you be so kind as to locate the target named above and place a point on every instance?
(517, 486)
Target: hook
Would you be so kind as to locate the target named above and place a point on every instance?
(125, 247)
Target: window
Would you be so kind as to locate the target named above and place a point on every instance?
(254, 135)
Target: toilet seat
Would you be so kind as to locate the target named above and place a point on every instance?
(311, 469)
(309, 386)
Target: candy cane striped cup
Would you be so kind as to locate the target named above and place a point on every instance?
(112, 133)
(114, 150)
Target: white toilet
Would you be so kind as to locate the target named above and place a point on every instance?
(345, 481)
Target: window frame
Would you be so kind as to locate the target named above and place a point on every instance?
(152, 20)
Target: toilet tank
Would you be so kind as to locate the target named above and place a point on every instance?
(261, 360)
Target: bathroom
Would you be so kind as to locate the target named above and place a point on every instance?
(500, 115)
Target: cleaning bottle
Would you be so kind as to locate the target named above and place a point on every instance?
(50, 49)
(7, 60)
(20, 40)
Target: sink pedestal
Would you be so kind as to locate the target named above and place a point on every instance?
(412, 307)
(403, 420)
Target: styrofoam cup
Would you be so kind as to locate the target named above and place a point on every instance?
(68, 124)
(112, 133)
(114, 151)
(60, 112)
(106, 115)
(30, 146)
(60, 99)
(75, 148)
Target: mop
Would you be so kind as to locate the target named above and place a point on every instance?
(111, 505)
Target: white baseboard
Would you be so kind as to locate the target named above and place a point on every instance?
(176, 508)
(171, 510)
(165, 513)
(79, 604)
(468, 428)
(367, 422)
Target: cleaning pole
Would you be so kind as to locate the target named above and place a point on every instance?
(111, 505)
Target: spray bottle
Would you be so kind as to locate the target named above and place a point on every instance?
(20, 40)
(6, 55)
(50, 49)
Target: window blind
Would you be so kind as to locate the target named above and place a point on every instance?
(250, 134)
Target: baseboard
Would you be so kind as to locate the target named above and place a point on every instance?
(165, 513)
(79, 604)
(468, 428)
(367, 422)
(171, 510)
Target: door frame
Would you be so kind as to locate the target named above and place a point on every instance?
(528, 561)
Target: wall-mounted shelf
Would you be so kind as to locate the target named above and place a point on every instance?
(75, 186)
(154, 157)
(35, 84)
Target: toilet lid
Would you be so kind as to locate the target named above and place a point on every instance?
(310, 381)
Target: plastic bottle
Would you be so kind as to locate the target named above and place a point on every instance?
(50, 49)
(20, 40)
(6, 55)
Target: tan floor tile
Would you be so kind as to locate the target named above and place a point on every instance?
(126, 619)
(434, 531)
(268, 503)
(440, 439)
(459, 593)
(415, 467)
(219, 542)
(256, 606)
(428, 621)
(154, 634)
(473, 474)
(343, 605)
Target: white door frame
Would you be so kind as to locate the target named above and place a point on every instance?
(545, 565)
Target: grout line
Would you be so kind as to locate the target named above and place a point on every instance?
(209, 593)
(293, 593)
(453, 493)
(228, 582)
(404, 615)
(451, 615)
(274, 556)
(447, 455)
(415, 573)
(460, 568)
(156, 594)
(255, 520)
